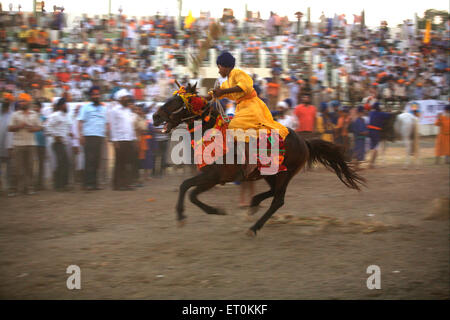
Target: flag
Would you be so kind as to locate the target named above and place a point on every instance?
(426, 38)
(189, 20)
(357, 19)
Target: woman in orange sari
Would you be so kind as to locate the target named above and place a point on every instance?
(442, 147)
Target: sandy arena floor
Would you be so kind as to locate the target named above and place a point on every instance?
(318, 246)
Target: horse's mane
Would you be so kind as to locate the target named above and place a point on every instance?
(206, 115)
(212, 115)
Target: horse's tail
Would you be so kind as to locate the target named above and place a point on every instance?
(332, 157)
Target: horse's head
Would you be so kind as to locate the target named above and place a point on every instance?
(184, 104)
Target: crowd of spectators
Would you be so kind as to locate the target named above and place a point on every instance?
(46, 65)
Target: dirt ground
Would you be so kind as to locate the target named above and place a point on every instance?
(318, 246)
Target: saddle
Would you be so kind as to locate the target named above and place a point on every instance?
(248, 170)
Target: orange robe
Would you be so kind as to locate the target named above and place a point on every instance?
(443, 138)
(251, 111)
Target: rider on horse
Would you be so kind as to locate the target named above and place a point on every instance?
(251, 111)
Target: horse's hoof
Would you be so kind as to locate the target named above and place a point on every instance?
(181, 223)
(252, 210)
(250, 233)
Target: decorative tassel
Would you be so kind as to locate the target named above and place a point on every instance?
(208, 117)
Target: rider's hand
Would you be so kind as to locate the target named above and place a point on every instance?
(218, 92)
(210, 96)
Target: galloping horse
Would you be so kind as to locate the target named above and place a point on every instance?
(298, 153)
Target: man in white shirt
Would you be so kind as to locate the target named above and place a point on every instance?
(77, 152)
(123, 135)
(24, 123)
(320, 73)
(59, 127)
(287, 119)
(5, 143)
(76, 93)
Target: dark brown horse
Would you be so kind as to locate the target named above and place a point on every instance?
(298, 153)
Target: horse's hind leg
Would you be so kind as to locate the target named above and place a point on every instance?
(208, 209)
(282, 181)
(256, 200)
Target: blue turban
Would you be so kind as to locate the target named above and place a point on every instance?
(323, 106)
(93, 88)
(289, 102)
(226, 60)
(376, 106)
(335, 103)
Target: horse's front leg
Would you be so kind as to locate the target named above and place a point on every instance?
(184, 187)
(194, 199)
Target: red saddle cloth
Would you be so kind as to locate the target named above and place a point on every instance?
(264, 159)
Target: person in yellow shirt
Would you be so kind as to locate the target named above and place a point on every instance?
(251, 112)
(32, 38)
(23, 34)
(324, 124)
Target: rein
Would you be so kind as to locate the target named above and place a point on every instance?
(218, 104)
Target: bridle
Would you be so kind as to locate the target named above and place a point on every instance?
(193, 112)
(167, 114)
(187, 105)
